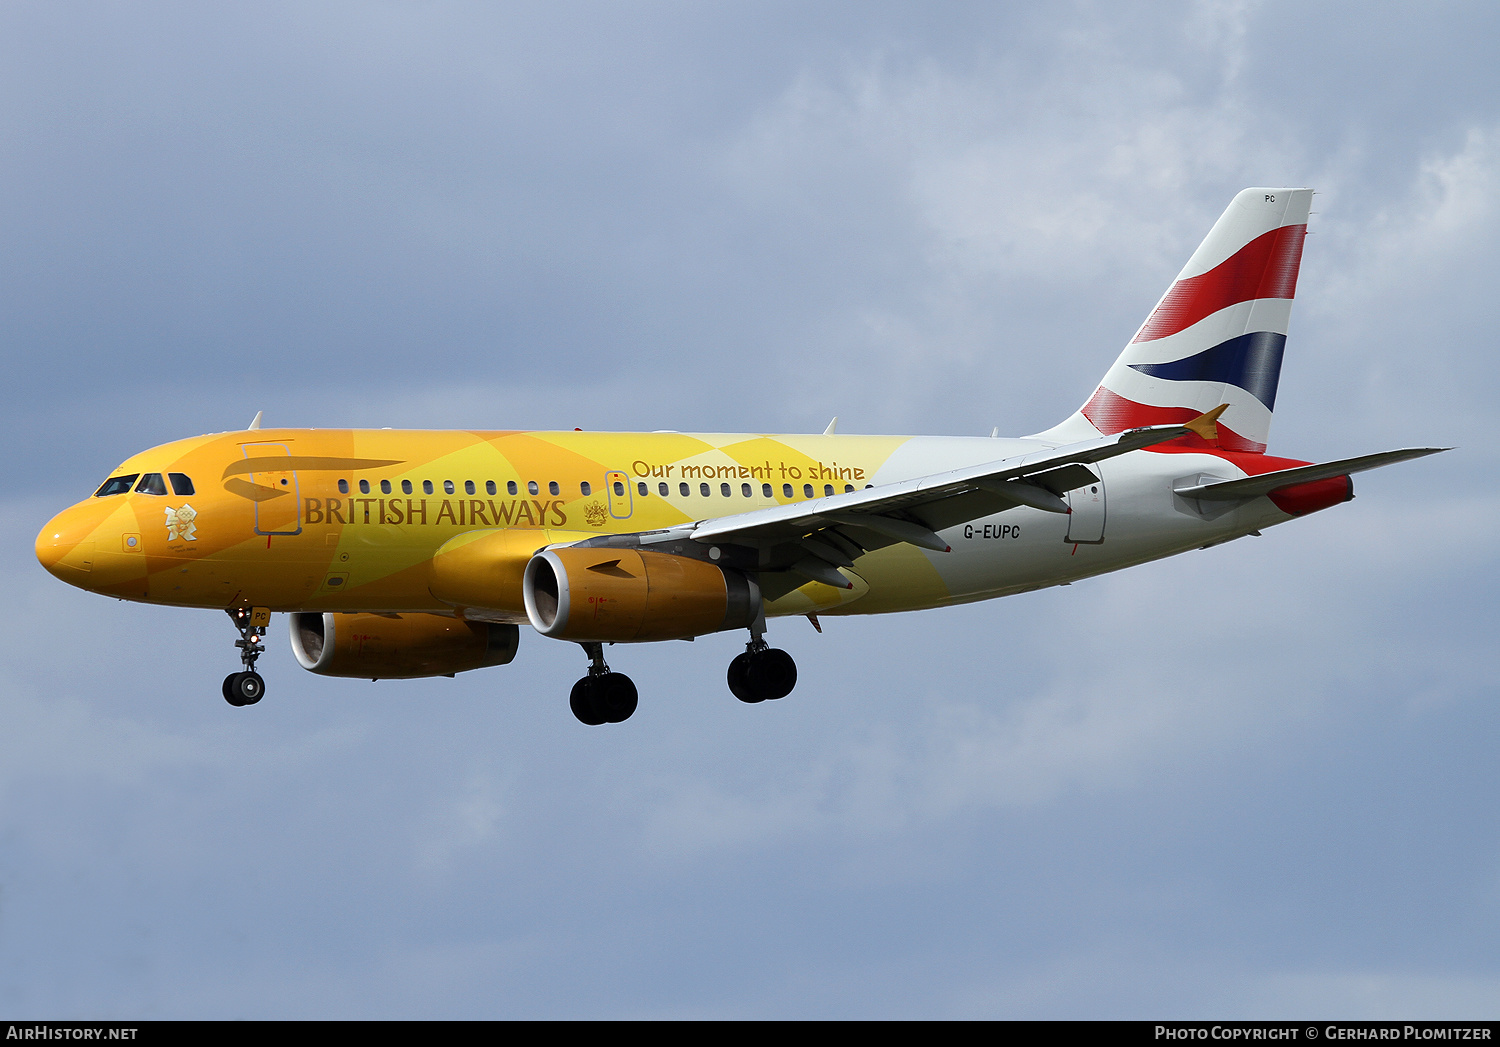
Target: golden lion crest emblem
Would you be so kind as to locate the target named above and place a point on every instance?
(595, 514)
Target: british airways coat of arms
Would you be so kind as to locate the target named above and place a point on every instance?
(180, 523)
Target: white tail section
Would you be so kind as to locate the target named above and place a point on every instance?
(1217, 335)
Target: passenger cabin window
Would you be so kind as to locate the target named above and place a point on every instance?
(745, 490)
(532, 487)
(151, 483)
(510, 487)
(364, 487)
(468, 487)
(662, 489)
(765, 490)
(828, 490)
(426, 486)
(406, 487)
(807, 491)
(552, 487)
(724, 490)
(489, 487)
(703, 490)
(640, 486)
(343, 487)
(786, 490)
(584, 489)
(385, 487)
(848, 488)
(116, 485)
(685, 489)
(619, 489)
(181, 485)
(447, 486)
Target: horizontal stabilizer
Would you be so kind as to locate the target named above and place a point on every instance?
(1265, 483)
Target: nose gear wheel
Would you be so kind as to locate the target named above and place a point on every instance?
(244, 688)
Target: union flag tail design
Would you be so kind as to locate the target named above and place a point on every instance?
(1217, 335)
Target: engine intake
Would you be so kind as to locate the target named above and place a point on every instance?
(401, 647)
(612, 595)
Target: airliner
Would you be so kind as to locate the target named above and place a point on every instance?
(403, 554)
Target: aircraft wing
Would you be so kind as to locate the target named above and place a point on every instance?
(814, 538)
(1265, 483)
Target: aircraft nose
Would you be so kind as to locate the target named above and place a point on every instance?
(65, 547)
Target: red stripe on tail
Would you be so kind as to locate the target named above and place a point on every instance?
(1266, 267)
(1111, 413)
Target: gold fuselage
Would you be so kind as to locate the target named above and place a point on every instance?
(350, 520)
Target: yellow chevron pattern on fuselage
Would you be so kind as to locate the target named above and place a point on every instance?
(350, 520)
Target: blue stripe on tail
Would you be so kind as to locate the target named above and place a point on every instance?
(1251, 361)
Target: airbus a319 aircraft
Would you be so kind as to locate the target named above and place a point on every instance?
(402, 554)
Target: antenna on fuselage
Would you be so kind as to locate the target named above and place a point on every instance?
(255, 422)
(831, 426)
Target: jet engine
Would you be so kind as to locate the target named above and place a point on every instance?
(613, 595)
(398, 647)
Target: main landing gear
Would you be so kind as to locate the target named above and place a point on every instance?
(762, 673)
(602, 696)
(246, 688)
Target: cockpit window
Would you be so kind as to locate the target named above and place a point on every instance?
(151, 483)
(181, 485)
(116, 485)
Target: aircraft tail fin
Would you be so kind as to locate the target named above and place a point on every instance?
(1217, 335)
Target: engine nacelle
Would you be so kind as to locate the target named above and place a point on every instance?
(611, 595)
(377, 647)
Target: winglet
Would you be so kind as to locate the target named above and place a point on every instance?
(831, 426)
(255, 422)
(1205, 425)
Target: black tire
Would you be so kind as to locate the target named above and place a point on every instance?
(248, 688)
(615, 697)
(581, 700)
(773, 674)
(230, 689)
(739, 679)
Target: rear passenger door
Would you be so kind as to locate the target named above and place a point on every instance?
(1086, 521)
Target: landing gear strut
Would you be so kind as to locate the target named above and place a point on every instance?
(602, 696)
(247, 688)
(762, 673)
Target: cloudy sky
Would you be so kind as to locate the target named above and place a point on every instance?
(1258, 780)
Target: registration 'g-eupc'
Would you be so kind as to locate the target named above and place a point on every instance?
(401, 554)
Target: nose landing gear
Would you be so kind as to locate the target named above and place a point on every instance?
(247, 688)
(602, 696)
